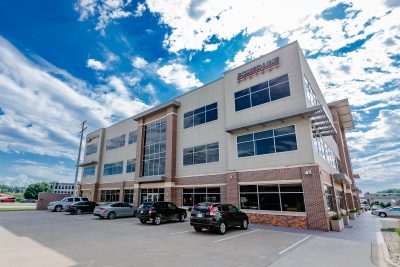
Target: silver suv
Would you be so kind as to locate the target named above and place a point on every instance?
(60, 205)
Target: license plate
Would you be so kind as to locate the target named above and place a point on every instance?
(199, 215)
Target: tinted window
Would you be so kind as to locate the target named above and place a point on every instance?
(245, 149)
(242, 103)
(70, 199)
(200, 115)
(85, 199)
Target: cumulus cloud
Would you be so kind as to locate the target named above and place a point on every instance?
(104, 11)
(139, 62)
(140, 8)
(178, 75)
(54, 104)
(95, 64)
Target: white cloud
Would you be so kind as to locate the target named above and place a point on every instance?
(95, 64)
(178, 75)
(140, 8)
(139, 62)
(54, 107)
(105, 11)
(210, 47)
(21, 180)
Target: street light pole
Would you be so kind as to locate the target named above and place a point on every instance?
(83, 128)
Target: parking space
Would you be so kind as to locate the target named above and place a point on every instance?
(88, 241)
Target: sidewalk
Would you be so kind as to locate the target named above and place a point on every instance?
(357, 245)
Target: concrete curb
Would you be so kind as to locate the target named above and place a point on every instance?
(385, 252)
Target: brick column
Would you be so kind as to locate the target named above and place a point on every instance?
(136, 195)
(170, 157)
(122, 192)
(232, 189)
(314, 199)
(139, 148)
(350, 201)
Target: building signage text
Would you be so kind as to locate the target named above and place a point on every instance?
(261, 67)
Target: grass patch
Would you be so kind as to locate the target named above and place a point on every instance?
(17, 209)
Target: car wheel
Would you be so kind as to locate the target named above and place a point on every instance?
(157, 220)
(198, 229)
(245, 224)
(182, 218)
(78, 212)
(382, 214)
(111, 215)
(143, 221)
(222, 228)
(58, 208)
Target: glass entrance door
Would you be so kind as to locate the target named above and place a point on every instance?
(152, 194)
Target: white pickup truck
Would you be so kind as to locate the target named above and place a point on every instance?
(60, 205)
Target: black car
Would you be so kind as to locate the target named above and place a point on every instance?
(217, 216)
(81, 207)
(160, 211)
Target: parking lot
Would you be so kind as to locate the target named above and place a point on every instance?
(57, 239)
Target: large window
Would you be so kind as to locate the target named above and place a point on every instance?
(328, 190)
(113, 168)
(340, 199)
(91, 149)
(267, 142)
(322, 148)
(89, 171)
(310, 94)
(279, 197)
(262, 93)
(201, 154)
(200, 115)
(115, 142)
(109, 196)
(154, 148)
(193, 196)
(128, 195)
(132, 138)
(130, 165)
(151, 194)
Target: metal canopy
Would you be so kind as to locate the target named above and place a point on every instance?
(321, 123)
(342, 177)
(344, 113)
(87, 163)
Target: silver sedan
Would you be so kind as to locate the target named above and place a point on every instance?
(114, 210)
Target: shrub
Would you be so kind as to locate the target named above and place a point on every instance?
(336, 217)
(398, 231)
(353, 210)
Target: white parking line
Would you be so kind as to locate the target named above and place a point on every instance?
(177, 233)
(220, 240)
(295, 244)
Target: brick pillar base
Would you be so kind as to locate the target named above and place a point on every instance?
(314, 199)
(232, 192)
(177, 196)
(136, 195)
(168, 194)
(350, 201)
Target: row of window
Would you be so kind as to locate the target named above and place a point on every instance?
(200, 115)
(119, 141)
(193, 196)
(154, 148)
(201, 154)
(267, 142)
(262, 93)
(91, 149)
(310, 94)
(117, 167)
(322, 148)
(280, 197)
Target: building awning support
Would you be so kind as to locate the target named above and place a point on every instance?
(342, 177)
(85, 164)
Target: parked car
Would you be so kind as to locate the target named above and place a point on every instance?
(81, 207)
(376, 207)
(365, 207)
(60, 205)
(114, 210)
(8, 200)
(391, 212)
(159, 211)
(217, 216)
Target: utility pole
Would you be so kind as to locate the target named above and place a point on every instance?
(83, 128)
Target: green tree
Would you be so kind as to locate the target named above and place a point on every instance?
(33, 190)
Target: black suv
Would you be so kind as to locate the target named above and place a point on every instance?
(217, 216)
(81, 207)
(158, 212)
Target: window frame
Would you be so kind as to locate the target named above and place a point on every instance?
(205, 151)
(198, 112)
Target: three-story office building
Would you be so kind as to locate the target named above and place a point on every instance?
(262, 137)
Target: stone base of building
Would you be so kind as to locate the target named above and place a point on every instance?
(297, 222)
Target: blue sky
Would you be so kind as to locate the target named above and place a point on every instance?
(104, 60)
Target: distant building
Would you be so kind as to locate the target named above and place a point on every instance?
(62, 188)
(391, 198)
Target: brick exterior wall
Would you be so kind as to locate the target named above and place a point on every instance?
(298, 222)
(45, 198)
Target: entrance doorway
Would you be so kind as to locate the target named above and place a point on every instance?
(151, 195)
